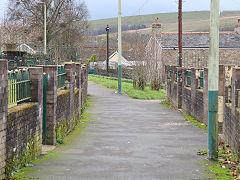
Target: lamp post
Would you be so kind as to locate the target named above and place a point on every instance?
(45, 25)
(119, 48)
(107, 63)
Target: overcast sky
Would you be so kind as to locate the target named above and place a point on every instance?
(100, 9)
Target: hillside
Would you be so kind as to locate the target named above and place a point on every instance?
(192, 21)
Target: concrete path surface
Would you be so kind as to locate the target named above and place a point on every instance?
(129, 140)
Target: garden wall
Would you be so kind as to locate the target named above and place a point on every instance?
(21, 126)
(185, 92)
(231, 115)
(24, 135)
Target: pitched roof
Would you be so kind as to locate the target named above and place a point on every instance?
(199, 40)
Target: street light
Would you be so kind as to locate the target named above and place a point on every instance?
(45, 25)
(107, 63)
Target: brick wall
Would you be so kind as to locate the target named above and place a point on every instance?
(186, 100)
(3, 114)
(84, 82)
(21, 126)
(194, 100)
(231, 127)
(231, 112)
(24, 135)
(24, 126)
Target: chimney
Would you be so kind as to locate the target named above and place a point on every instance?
(156, 28)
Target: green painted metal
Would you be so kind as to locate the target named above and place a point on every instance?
(201, 79)
(213, 80)
(120, 79)
(61, 76)
(189, 74)
(230, 97)
(213, 124)
(19, 85)
(170, 72)
(92, 71)
(176, 75)
(44, 123)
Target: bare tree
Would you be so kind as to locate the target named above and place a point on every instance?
(137, 53)
(66, 19)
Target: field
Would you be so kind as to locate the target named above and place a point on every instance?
(192, 21)
(127, 88)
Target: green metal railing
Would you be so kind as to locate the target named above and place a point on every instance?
(176, 75)
(201, 79)
(21, 53)
(189, 74)
(19, 85)
(230, 97)
(44, 122)
(170, 72)
(61, 76)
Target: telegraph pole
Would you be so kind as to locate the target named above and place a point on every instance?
(213, 81)
(180, 33)
(107, 62)
(119, 47)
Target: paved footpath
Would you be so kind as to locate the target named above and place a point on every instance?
(129, 140)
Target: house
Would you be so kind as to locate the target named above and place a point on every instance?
(26, 48)
(195, 47)
(113, 61)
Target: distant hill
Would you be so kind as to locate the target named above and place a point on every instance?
(192, 21)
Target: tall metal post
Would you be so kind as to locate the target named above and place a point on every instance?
(45, 28)
(180, 33)
(119, 47)
(44, 123)
(107, 62)
(213, 81)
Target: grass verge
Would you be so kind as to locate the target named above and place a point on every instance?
(227, 165)
(23, 173)
(127, 88)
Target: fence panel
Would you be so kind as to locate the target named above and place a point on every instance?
(19, 85)
(201, 79)
(189, 74)
(61, 76)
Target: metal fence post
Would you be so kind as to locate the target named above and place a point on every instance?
(44, 123)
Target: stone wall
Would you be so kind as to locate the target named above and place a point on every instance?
(66, 122)
(3, 114)
(227, 56)
(231, 113)
(21, 126)
(193, 99)
(84, 83)
(24, 126)
(24, 136)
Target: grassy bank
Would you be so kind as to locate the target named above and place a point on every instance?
(127, 88)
